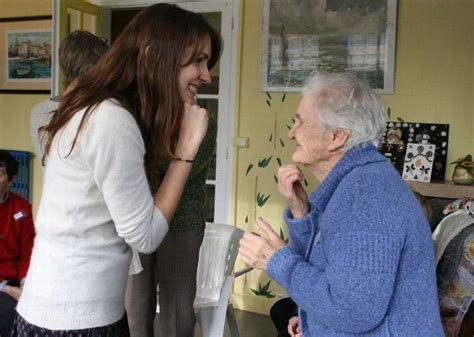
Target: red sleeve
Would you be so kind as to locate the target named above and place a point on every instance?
(27, 235)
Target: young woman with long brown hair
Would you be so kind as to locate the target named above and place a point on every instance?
(132, 109)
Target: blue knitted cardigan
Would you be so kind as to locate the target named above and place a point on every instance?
(361, 262)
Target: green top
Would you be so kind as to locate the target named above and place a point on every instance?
(191, 211)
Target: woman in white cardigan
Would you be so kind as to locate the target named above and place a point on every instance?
(124, 115)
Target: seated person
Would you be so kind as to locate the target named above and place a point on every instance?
(16, 241)
(359, 260)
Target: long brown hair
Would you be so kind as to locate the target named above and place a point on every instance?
(140, 70)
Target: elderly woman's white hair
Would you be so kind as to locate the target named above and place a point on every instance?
(345, 102)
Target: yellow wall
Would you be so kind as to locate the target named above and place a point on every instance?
(15, 109)
(433, 83)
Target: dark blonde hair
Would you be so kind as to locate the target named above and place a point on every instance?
(140, 70)
(78, 52)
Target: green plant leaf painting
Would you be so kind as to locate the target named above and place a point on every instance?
(248, 169)
(282, 143)
(262, 199)
(263, 290)
(268, 95)
(278, 161)
(275, 178)
(264, 162)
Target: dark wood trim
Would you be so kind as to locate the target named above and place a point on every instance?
(27, 18)
(28, 91)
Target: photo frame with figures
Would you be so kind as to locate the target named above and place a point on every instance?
(397, 135)
(418, 162)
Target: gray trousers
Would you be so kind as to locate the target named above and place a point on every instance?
(173, 266)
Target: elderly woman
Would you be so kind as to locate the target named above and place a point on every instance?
(360, 257)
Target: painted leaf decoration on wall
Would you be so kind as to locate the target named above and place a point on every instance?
(247, 219)
(268, 103)
(262, 199)
(278, 161)
(263, 290)
(283, 236)
(282, 143)
(283, 97)
(271, 137)
(248, 169)
(288, 127)
(268, 95)
(275, 178)
(264, 162)
(305, 182)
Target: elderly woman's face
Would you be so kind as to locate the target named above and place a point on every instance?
(311, 143)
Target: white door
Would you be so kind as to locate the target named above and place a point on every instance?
(219, 98)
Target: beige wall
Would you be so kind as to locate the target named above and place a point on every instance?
(433, 83)
(15, 109)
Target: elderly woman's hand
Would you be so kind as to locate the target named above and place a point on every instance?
(290, 188)
(294, 329)
(256, 250)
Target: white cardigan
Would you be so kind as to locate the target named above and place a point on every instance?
(96, 202)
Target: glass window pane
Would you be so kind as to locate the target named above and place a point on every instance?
(211, 173)
(214, 19)
(210, 193)
(213, 88)
(211, 105)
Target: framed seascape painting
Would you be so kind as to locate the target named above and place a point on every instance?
(300, 37)
(25, 54)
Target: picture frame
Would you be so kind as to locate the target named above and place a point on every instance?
(26, 55)
(398, 134)
(418, 163)
(298, 38)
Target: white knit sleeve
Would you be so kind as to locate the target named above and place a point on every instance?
(114, 149)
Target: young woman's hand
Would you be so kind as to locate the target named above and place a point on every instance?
(193, 130)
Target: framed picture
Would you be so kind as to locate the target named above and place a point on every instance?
(398, 135)
(418, 163)
(300, 37)
(25, 54)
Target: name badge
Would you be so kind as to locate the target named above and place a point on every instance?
(19, 215)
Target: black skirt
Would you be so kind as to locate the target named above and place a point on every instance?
(22, 328)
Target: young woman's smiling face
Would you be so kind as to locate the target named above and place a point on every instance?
(195, 74)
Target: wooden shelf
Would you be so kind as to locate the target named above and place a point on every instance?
(444, 189)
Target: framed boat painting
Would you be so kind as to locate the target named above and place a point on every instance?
(25, 55)
(301, 37)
